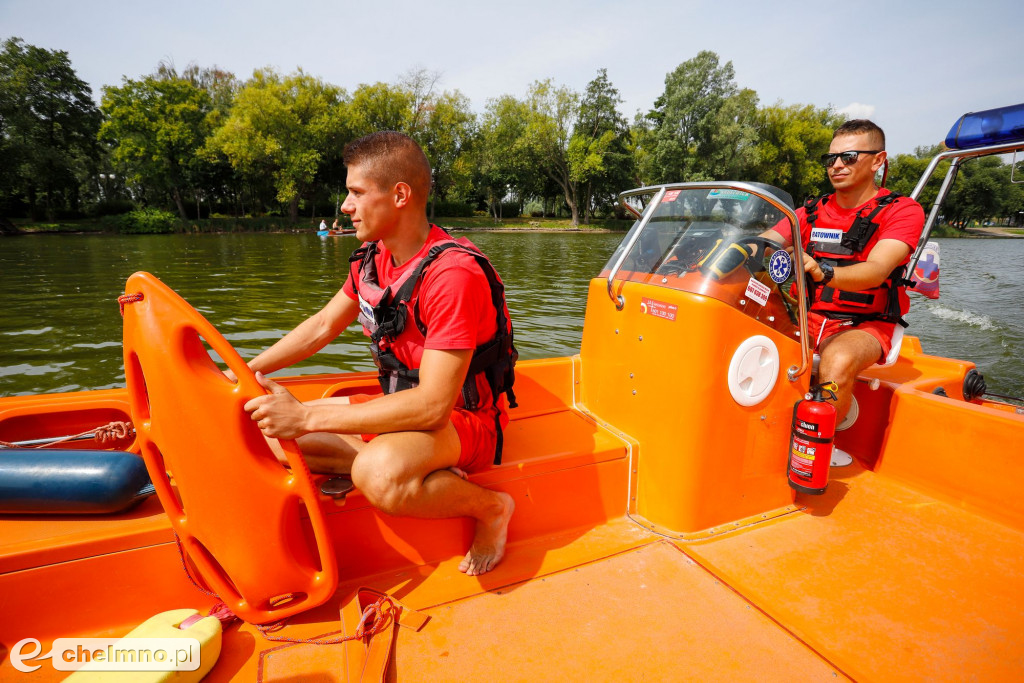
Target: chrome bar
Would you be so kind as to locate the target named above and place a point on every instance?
(1004, 148)
(957, 156)
(933, 215)
(617, 299)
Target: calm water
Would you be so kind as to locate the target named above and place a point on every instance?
(60, 329)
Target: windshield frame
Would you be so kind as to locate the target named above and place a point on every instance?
(648, 211)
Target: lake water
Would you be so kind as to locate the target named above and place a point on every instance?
(60, 329)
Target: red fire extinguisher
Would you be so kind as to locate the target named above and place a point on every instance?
(810, 448)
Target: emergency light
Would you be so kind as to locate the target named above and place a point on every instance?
(990, 127)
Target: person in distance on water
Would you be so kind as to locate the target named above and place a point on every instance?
(441, 413)
(857, 241)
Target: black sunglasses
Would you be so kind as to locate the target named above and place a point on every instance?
(849, 157)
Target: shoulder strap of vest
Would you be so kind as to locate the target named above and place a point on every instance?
(864, 226)
(362, 259)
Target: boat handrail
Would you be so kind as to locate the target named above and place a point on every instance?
(956, 156)
(617, 299)
(787, 211)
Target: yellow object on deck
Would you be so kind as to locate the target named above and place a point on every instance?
(164, 626)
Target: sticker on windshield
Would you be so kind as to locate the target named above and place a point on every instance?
(670, 196)
(780, 266)
(826, 235)
(758, 291)
(729, 194)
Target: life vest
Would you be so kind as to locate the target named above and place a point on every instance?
(387, 316)
(843, 245)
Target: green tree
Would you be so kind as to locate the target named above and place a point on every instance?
(905, 170)
(156, 127)
(282, 128)
(503, 158)
(695, 122)
(599, 153)
(554, 112)
(381, 107)
(48, 125)
(447, 135)
(982, 191)
(791, 140)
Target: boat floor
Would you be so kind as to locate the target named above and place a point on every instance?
(873, 581)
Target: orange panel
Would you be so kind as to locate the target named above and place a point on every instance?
(703, 459)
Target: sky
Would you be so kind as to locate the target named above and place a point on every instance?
(913, 66)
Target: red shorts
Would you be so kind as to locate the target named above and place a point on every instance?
(478, 435)
(881, 331)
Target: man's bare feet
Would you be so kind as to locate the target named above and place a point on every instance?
(489, 542)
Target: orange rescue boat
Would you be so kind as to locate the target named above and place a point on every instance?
(655, 533)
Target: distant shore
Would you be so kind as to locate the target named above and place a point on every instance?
(271, 224)
(278, 225)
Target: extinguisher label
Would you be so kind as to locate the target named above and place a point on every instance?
(807, 426)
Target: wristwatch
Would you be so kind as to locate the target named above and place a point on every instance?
(827, 273)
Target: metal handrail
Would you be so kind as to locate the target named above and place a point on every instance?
(785, 209)
(957, 156)
(617, 299)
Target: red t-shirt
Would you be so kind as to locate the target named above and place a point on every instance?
(453, 299)
(901, 221)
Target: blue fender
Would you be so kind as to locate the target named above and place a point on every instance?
(58, 481)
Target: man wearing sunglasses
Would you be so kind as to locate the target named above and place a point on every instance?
(856, 242)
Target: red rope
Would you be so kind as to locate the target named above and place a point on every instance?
(376, 617)
(105, 435)
(129, 299)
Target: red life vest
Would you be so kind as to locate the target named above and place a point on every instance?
(839, 245)
(387, 316)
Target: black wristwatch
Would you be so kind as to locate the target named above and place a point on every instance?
(827, 273)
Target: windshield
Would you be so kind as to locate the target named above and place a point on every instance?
(707, 241)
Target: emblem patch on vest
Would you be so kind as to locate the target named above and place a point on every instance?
(826, 235)
(780, 266)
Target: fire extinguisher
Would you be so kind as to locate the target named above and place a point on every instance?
(810, 448)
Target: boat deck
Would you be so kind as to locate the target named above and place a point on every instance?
(885, 577)
(930, 590)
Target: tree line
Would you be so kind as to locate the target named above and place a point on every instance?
(202, 142)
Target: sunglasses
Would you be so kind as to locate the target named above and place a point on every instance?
(850, 157)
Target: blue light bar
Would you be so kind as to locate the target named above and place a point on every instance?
(991, 127)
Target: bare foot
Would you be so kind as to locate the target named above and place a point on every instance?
(489, 542)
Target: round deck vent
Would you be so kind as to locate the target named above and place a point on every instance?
(753, 371)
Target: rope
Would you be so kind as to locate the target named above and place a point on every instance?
(129, 299)
(105, 435)
(377, 617)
